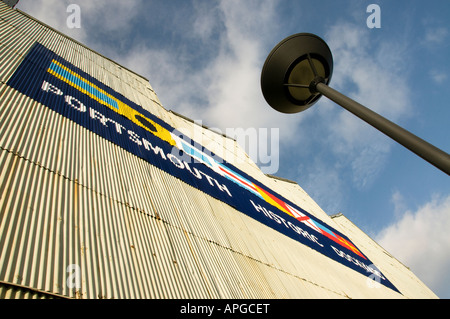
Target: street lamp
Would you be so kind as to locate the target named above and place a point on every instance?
(297, 73)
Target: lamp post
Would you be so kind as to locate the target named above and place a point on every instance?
(297, 73)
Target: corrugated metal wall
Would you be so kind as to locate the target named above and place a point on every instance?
(70, 197)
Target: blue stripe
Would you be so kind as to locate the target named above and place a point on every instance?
(193, 152)
(85, 86)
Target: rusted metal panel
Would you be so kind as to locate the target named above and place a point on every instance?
(8, 291)
(406, 281)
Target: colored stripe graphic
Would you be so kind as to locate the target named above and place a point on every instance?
(61, 72)
(238, 179)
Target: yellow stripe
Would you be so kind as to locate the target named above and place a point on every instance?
(85, 81)
(92, 96)
(268, 199)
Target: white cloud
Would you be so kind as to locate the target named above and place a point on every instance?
(174, 82)
(53, 13)
(438, 77)
(420, 240)
(436, 35)
(107, 15)
(234, 94)
(205, 20)
(368, 74)
(111, 15)
(325, 184)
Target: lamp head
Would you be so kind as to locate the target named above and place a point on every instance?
(292, 68)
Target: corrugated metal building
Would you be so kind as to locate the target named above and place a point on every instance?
(102, 197)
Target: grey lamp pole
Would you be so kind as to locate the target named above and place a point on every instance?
(428, 152)
(296, 74)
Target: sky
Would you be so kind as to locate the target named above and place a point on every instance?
(204, 60)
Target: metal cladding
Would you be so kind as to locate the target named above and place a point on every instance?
(94, 205)
(11, 3)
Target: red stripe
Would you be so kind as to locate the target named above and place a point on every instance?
(276, 200)
(237, 178)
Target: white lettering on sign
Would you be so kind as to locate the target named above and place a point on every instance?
(95, 115)
(287, 224)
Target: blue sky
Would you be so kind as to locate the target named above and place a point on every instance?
(204, 60)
